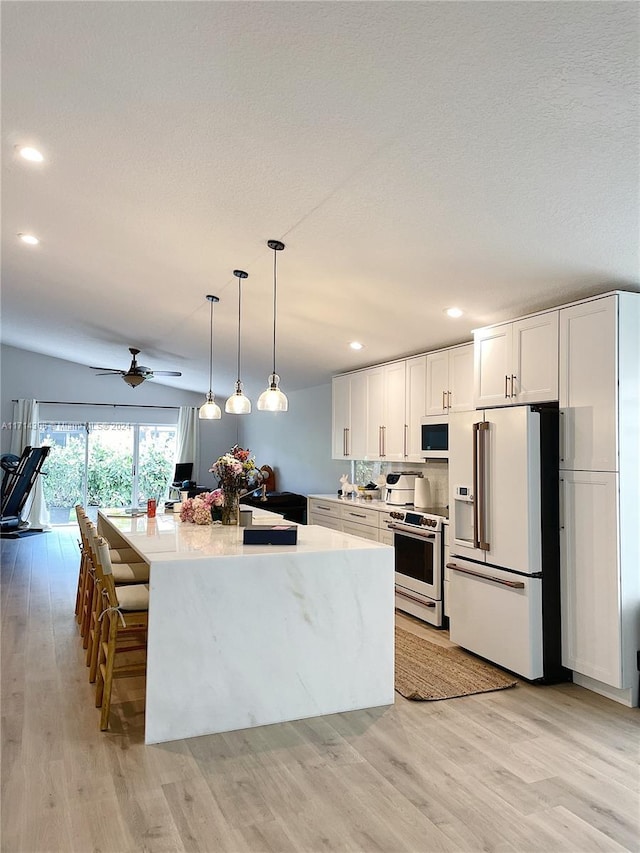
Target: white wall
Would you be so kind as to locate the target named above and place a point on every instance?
(28, 375)
(297, 443)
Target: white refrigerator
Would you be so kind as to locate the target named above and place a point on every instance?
(503, 573)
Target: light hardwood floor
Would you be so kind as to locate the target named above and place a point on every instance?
(526, 769)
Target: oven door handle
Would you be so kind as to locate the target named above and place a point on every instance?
(512, 584)
(415, 598)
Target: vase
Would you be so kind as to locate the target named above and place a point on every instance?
(230, 508)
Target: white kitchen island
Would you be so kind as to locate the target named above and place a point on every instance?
(247, 635)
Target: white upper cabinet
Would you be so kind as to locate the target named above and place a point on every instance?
(535, 359)
(588, 386)
(517, 362)
(415, 405)
(369, 414)
(394, 432)
(341, 416)
(349, 415)
(375, 413)
(492, 365)
(437, 383)
(461, 379)
(450, 381)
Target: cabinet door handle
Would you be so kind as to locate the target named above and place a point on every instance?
(444, 399)
(448, 399)
(506, 387)
(348, 441)
(379, 441)
(561, 436)
(513, 384)
(384, 441)
(561, 505)
(406, 428)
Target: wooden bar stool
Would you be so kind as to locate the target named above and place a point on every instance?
(123, 621)
(123, 574)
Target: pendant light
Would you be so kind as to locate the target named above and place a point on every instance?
(210, 410)
(273, 399)
(238, 403)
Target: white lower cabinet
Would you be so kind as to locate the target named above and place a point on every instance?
(351, 518)
(591, 595)
(324, 513)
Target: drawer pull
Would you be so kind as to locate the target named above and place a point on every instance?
(512, 584)
(357, 514)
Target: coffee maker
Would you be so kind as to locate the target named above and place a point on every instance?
(400, 487)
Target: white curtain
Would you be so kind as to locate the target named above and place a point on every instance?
(26, 433)
(188, 438)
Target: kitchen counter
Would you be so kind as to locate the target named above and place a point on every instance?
(379, 505)
(247, 635)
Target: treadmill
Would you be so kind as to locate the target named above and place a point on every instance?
(19, 477)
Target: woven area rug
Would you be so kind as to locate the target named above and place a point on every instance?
(425, 671)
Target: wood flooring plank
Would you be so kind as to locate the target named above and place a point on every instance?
(200, 822)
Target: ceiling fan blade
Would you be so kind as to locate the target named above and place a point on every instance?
(110, 372)
(106, 369)
(166, 373)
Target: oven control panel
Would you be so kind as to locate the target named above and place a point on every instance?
(416, 518)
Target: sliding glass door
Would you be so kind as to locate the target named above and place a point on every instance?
(106, 465)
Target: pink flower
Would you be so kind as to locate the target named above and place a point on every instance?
(186, 511)
(201, 512)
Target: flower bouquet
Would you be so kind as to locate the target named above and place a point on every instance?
(201, 509)
(236, 471)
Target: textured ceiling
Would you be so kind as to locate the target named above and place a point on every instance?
(412, 156)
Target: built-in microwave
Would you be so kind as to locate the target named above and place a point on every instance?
(435, 438)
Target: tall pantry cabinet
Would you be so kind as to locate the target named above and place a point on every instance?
(599, 390)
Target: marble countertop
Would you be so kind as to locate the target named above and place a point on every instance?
(166, 538)
(379, 505)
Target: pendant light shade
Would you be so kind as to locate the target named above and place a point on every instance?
(210, 410)
(273, 399)
(238, 403)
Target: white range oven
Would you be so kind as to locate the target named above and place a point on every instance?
(417, 541)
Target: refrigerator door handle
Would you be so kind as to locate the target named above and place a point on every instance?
(480, 485)
(511, 584)
(476, 499)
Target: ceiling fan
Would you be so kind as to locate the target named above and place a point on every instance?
(136, 373)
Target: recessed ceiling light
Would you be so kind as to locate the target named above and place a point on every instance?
(29, 238)
(31, 154)
(454, 312)
(355, 345)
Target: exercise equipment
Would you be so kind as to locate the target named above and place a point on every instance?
(19, 477)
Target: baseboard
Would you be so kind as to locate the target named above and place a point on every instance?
(624, 697)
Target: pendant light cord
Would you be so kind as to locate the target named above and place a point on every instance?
(239, 315)
(275, 256)
(210, 345)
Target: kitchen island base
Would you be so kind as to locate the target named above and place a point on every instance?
(243, 636)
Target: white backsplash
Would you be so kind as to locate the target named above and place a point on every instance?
(435, 470)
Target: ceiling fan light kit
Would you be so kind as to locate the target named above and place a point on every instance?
(273, 399)
(238, 403)
(136, 373)
(210, 410)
